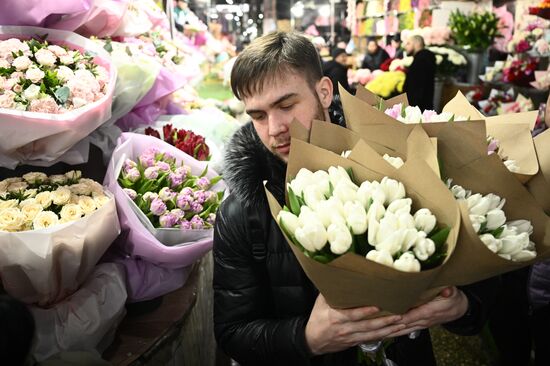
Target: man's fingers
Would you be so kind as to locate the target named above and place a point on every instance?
(357, 314)
(405, 331)
(374, 324)
(359, 338)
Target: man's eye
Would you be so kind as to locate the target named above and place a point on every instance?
(287, 107)
(258, 117)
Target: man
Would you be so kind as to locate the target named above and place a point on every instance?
(395, 44)
(419, 84)
(266, 311)
(375, 56)
(337, 69)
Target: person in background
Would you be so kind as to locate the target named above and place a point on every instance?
(16, 331)
(337, 69)
(266, 310)
(420, 81)
(375, 55)
(395, 43)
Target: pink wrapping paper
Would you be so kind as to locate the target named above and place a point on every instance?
(136, 240)
(40, 13)
(27, 136)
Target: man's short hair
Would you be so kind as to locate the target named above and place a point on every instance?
(271, 55)
(419, 39)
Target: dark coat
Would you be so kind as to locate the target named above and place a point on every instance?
(262, 297)
(337, 73)
(419, 84)
(375, 60)
(539, 285)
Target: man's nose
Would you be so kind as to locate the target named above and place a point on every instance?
(277, 124)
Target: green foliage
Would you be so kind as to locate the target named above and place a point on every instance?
(476, 31)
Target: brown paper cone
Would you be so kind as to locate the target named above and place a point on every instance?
(372, 99)
(351, 280)
(539, 185)
(522, 117)
(460, 106)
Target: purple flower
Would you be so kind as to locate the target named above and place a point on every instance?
(493, 146)
(185, 225)
(133, 175)
(200, 196)
(196, 207)
(169, 157)
(197, 223)
(152, 151)
(183, 170)
(164, 167)
(394, 111)
(175, 179)
(158, 207)
(187, 191)
(147, 160)
(179, 213)
(203, 183)
(129, 164)
(184, 201)
(211, 218)
(168, 220)
(149, 196)
(211, 197)
(166, 194)
(131, 193)
(151, 172)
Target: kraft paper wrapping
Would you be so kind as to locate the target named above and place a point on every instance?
(472, 261)
(45, 266)
(369, 97)
(539, 185)
(351, 280)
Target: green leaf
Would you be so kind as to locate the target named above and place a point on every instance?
(362, 246)
(351, 175)
(321, 258)
(108, 45)
(441, 236)
(204, 172)
(294, 203)
(215, 180)
(331, 189)
(6, 71)
(286, 208)
(497, 232)
(220, 195)
(62, 94)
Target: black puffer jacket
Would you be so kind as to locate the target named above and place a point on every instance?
(262, 297)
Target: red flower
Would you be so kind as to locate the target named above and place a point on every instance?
(187, 141)
(152, 132)
(523, 46)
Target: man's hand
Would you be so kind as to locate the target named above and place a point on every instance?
(330, 330)
(450, 305)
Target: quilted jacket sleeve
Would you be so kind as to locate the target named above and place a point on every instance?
(243, 326)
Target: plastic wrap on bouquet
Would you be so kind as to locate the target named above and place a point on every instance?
(153, 104)
(135, 21)
(137, 240)
(488, 175)
(48, 136)
(45, 266)
(41, 13)
(102, 19)
(82, 321)
(145, 280)
(350, 280)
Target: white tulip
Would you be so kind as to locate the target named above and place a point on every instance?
(388, 225)
(399, 206)
(410, 237)
(346, 153)
(381, 257)
(340, 238)
(413, 115)
(376, 211)
(508, 230)
(522, 226)
(423, 248)
(494, 244)
(288, 220)
(330, 211)
(495, 201)
(303, 179)
(307, 216)
(321, 179)
(459, 192)
(478, 205)
(495, 219)
(372, 233)
(407, 263)
(364, 194)
(405, 221)
(378, 194)
(356, 217)
(477, 221)
(393, 189)
(313, 194)
(337, 174)
(396, 162)
(524, 255)
(312, 236)
(512, 166)
(344, 192)
(514, 244)
(424, 220)
(505, 256)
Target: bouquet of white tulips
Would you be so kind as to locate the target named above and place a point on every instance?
(53, 230)
(352, 228)
(330, 215)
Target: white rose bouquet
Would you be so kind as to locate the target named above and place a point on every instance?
(53, 229)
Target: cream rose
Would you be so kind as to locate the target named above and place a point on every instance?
(22, 63)
(11, 219)
(12, 180)
(94, 186)
(17, 187)
(80, 189)
(74, 174)
(34, 74)
(87, 204)
(61, 196)
(8, 204)
(57, 50)
(45, 57)
(66, 60)
(3, 186)
(74, 199)
(44, 199)
(32, 92)
(28, 201)
(71, 212)
(58, 179)
(35, 177)
(31, 193)
(101, 201)
(45, 219)
(64, 73)
(31, 210)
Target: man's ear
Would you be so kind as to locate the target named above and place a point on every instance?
(324, 90)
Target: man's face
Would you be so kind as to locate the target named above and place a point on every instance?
(372, 47)
(409, 47)
(282, 99)
(342, 59)
(395, 44)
